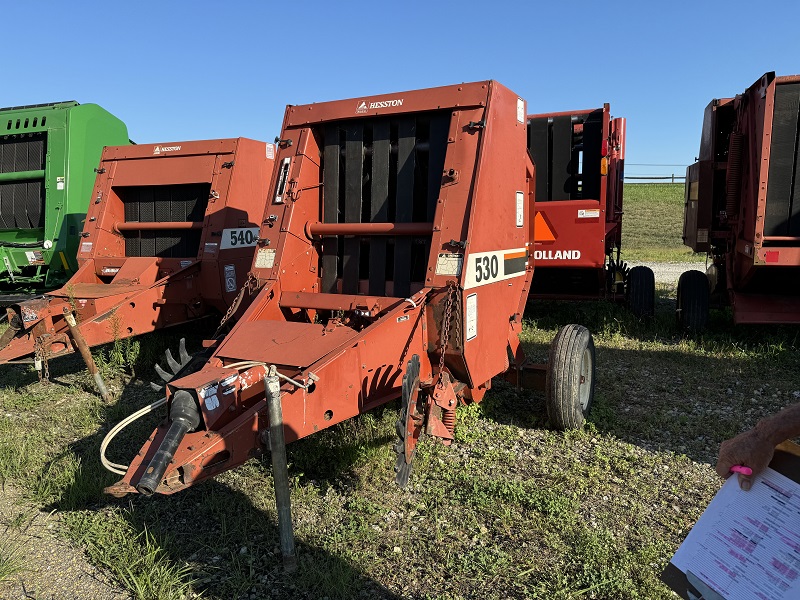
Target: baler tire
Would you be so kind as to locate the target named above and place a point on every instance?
(570, 377)
(640, 292)
(693, 299)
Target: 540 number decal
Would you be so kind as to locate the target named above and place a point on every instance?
(239, 238)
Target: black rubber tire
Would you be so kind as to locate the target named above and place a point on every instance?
(570, 377)
(640, 292)
(693, 301)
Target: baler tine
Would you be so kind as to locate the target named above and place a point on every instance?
(417, 292)
(166, 240)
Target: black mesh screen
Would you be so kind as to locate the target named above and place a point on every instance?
(380, 170)
(22, 202)
(567, 160)
(782, 216)
(161, 204)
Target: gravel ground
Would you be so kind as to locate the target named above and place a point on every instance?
(670, 272)
(53, 569)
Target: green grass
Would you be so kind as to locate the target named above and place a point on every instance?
(652, 226)
(512, 508)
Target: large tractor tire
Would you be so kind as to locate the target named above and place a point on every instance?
(641, 292)
(570, 377)
(693, 301)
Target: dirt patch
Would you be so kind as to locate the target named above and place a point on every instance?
(51, 568)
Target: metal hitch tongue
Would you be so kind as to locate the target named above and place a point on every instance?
(185, 418)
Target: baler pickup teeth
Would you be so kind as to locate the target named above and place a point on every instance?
(173, 364)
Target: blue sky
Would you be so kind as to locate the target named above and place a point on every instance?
(176, 70)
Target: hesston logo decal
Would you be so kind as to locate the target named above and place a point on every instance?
(365, 106)
(160, 149)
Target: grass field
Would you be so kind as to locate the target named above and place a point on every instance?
(652, 226)
(511, 510)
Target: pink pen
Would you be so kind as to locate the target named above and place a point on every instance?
(746, 471)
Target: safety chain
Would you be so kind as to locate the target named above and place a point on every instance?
(452, 291)
(40, 360)
(250, 284)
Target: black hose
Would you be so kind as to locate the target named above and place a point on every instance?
(185, 417)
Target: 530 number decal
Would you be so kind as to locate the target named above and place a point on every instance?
(486, 268)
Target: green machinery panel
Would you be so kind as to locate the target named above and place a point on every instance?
(48, 156)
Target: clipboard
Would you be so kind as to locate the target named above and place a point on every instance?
(786, 462)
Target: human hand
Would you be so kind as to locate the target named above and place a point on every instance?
(749, 449)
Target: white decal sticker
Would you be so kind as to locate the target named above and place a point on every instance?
(185, 263)
(556, 254)
(270, 151)
(489, 267)
(472, 316)
(520, 209)
(520, 110)
(230, 278)
(449, 264)
(59, 183)
(239, 238)
(403, 318)
(160, 149)
(86, 247)
(34, 258)
(211, 248)
(265, 258)
(212, 402)
(364, 105)
(592, 213)
(702, 235)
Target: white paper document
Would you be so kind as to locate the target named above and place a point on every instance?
(746, 545)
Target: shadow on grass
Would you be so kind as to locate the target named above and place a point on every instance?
(660, 388)
(226, 538)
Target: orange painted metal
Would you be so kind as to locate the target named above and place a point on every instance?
(343, 353)
(121, 289)
(580, 230)
(741, 203)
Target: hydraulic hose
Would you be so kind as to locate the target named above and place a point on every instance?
(185, 417)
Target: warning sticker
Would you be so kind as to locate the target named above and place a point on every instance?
(520, 110)
(265, 258)
(86, 247)
(592, 213)
(211, 248)
(702, 236)
(34, 258)
(270, 151)
(472, 316)
(230, 278)
(60, 183)
(449, 264)
(520, 209)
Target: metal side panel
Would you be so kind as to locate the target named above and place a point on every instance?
(379, 208)
(354, 165)
(405, 204)
(539, 146)
(562, 187)
(330, 212)
(592, 147)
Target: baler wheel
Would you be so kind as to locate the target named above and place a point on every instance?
(410, 422)
(640, 292)
(187, 364)
(570, 377)
(693, 301)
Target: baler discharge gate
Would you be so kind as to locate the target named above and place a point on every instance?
(168, 238)
(395, 251)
